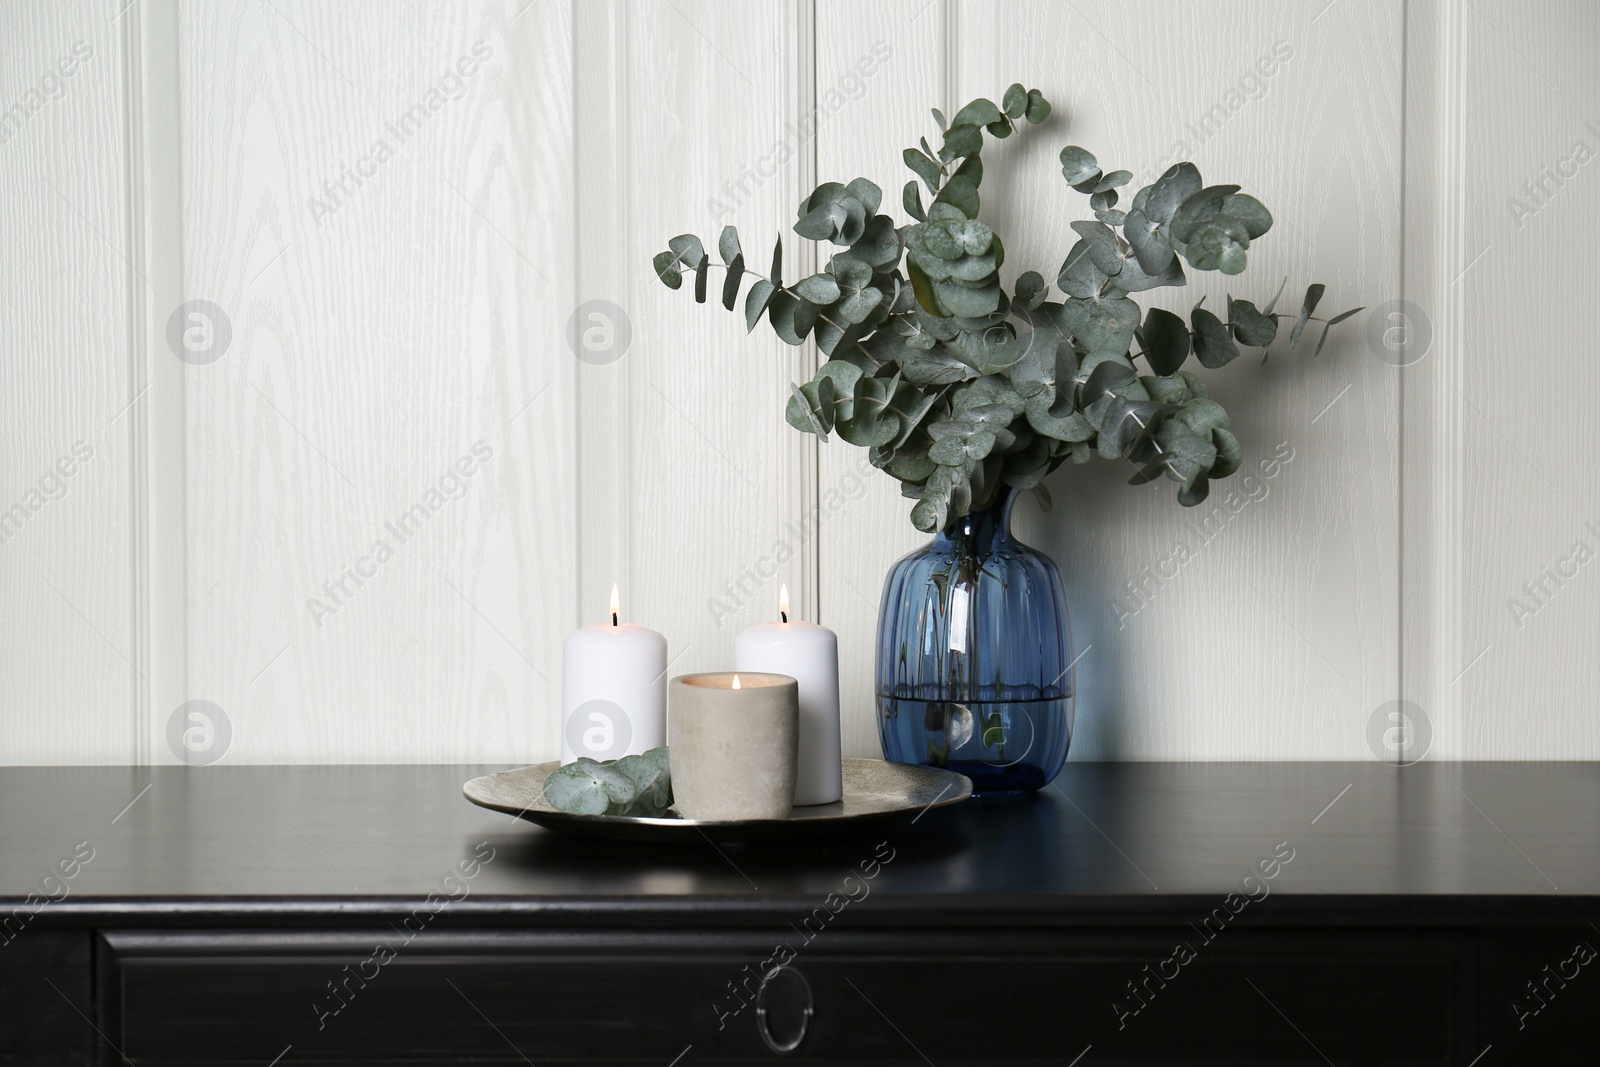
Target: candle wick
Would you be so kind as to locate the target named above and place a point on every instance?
(613, 618)
(784, 615)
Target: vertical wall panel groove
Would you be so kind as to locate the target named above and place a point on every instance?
(801, 77)
(602, 93)
(155, 414)
(1434, 202)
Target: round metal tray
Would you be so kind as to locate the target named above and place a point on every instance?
(875, 792)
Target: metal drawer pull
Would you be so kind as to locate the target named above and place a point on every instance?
(788, 996)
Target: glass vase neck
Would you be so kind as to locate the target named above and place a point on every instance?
(978, 530)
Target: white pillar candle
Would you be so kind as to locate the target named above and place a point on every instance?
(809, 654)
(613, 690)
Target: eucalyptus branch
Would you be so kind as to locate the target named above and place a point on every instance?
(961, 388)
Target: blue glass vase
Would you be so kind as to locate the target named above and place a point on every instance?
(975, 666)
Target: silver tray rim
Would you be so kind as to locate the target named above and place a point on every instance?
(864, 782)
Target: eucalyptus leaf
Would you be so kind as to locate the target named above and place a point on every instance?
(866, 193)
(1250, 326)
(879, 244)
(924, 167)
(701, 275)
(830, 333)
(844, 375)
(1274, 301)
(871, 422)
(730, 283)
(1342, 316)
(1080, 275)
(1015, 101)
(1104, 247)
(1229, 455)
(1057, 418)
(910, 463)
(1104, 378)
(788, 320)
(1030, 289)
(1201, 416)
(1219, 244)
(1179, 183)
(961, 141)
(688, 250)
(1155, 252)
(819, 288)
(1166, 390)
(1027, 466)
(933, 366)
(1251, 212)
(1166, 341)
(859, 304)
(1078, 166)
(651, 774)
(755, 302)
(1188, 455)
(1313, 296)
(1099, 324)
(910, 405)
(728, 245)
(1038, 108)
(590, 788)
(1195, 494)
(980, 112)
(1200, 208)
(811, 407)
(911, 200)
(961, 298)
(961, 192)
(1212, 345)
(1133, 279)
(1112, 181)
(666, 266)
(931, 512)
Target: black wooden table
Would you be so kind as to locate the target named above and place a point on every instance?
(1266, 913)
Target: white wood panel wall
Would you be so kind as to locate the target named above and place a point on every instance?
(1506, 501)
(380, 470)
(69, 668)
(401, 211)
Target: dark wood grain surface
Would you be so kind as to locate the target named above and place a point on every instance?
(221, 843)
(1136, 914)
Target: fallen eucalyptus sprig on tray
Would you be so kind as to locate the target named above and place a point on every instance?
(959, 388)
(633, 785)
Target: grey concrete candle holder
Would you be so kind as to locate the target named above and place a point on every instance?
(733, 751)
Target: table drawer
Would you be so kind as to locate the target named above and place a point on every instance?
(1249, 997)
(45, 994)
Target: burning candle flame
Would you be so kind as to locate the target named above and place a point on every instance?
(783, 602)
(736, 681)
(616, 608)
